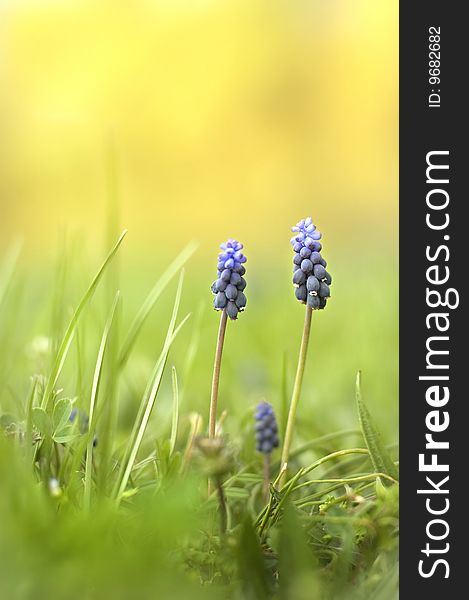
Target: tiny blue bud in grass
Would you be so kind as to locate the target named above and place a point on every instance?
(229, 286)
(83, 422)
(309, 267)
(266, 428)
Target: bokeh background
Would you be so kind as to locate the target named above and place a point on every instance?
(204, 120)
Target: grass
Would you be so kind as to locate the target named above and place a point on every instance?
(129, 516)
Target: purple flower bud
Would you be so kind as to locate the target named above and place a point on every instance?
(241, 301)
(221, 285)
(299, 277)
(231, 291)
(301, 293)
(235, 278)
(220, 301)
(324, 290)
(315, 258)
(242, 284)
(232, 310)
(312, 284)
(313, 301)
(319, 271)
(226, 275)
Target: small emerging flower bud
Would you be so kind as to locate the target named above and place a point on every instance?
(217, 458)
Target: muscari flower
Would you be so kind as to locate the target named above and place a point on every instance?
(266, 428)
(230, 283)
(310, 277)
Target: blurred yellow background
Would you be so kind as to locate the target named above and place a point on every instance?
(233, 117)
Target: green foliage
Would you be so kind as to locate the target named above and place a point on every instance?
(252, 568)
(117, 506)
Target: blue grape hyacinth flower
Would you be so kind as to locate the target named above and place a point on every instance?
(229, 286)
(266, 428)
(310, 277)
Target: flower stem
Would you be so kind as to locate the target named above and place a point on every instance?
(216, 376)
(266, 485)
(296, 394)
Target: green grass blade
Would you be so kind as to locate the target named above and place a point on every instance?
(149, 396)
(151, 299)
(93, 399)
(69, 333)
(380, 458)
(145, 412)
(175, 419)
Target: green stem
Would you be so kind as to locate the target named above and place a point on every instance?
(216, 376)
(266, 478)
(296, 394)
